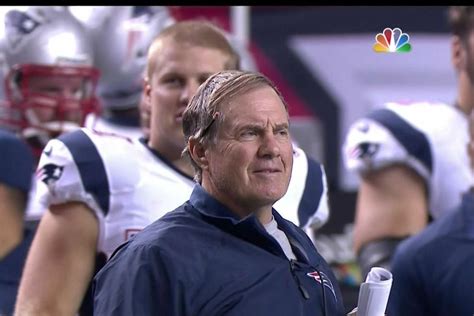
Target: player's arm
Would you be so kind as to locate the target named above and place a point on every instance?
(391, 205)
(393, 157)
(60, 262)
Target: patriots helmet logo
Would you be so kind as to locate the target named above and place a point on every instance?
(50, 173)
(365, 150)
(17, 25)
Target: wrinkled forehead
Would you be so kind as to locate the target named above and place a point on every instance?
(258, 103)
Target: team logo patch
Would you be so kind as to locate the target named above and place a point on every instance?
(50, 173)
(318, 275)
(131, 232)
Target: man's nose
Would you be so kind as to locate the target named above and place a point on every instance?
(188, 91)
(67, 93)
(269, 147)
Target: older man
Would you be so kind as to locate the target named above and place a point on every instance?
(225, 250)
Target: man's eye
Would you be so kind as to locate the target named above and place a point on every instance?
(173, 81)
(248, 133)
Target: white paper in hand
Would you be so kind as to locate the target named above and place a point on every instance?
(374, 292)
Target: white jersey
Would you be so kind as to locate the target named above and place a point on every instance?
(98, 123)
(35, 210)
(306, 201)
(430, 138)
(128, 185)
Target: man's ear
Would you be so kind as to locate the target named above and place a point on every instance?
(147, 91)
(198, 153)
(458, 53)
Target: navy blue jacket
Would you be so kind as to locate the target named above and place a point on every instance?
(433, 272)
(11, 268)
(200, 259)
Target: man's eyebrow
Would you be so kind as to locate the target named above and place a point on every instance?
(249, 125)
(282, 125)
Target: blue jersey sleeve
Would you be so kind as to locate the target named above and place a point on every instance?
(385, 138)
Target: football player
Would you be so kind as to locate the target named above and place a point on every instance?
(412, 159)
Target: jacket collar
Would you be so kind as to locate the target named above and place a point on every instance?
(248, 228)
(209, 206)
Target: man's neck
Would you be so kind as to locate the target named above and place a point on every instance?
(184, 166)
(173, 156)
(265, 216)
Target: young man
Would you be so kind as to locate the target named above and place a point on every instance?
(48, 85)
(225, 250)
(412, 159)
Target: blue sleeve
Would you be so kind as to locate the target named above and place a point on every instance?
(90, 165)
(407, 296)
(135, 281)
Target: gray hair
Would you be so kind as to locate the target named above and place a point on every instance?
(203, 111)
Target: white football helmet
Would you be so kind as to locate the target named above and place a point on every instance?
(46, 60)
(122, 36)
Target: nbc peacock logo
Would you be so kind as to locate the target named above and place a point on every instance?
(392, 41)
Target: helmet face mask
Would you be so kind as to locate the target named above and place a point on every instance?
(49, 80)
(52, 99)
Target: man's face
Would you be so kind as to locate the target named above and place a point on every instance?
(63, 98)
(250, 164)
(179, 71)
